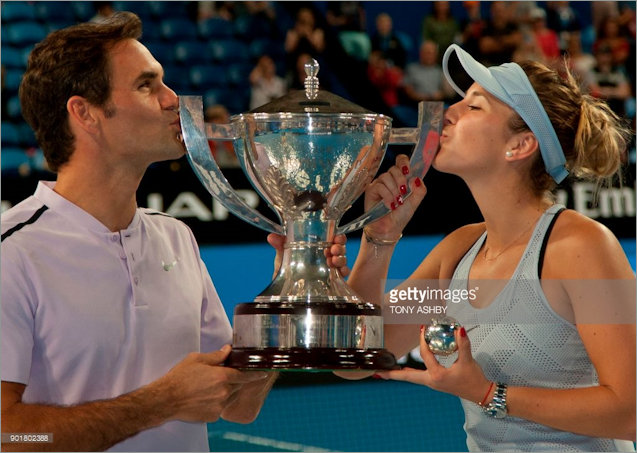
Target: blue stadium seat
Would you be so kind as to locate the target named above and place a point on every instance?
(215, 27)
(208, 76)
(252, 27)
(176, 79)
(21, 33)
(161, 10)
(12, 79)
(191, 52)
(265, 46)
(14, 110)
(14, 160)
(177, 29)
(163, 52)
(10, 134)
(238, 74)
(215, 96)
(58, 12)
(83, 10)
(11, 57)
(140, 8)
(229, 51)
(17, 11)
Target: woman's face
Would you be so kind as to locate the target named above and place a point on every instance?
(475, 135)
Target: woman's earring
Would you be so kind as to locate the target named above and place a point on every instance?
(509, 154)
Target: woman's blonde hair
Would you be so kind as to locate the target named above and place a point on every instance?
(592, 136)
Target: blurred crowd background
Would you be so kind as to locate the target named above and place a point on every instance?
(384, 56)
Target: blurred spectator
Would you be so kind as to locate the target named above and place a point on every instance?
(546, 39)
(266, 84)
(424, 80)
(296, 76)
(501, 37)
(386, 41)
(600, 11)
(305, 37)
(609, 37)
(208, 9)
(346, 16)
(627, 19)
(385, 77)
(609, 82)
(222, 151)
(103, 10)
(581, 64)
(472, 27)
(564, 21)
(440, 26)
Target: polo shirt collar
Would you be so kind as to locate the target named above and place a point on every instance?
(45, 193)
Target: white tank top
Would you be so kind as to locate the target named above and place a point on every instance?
(521, 341)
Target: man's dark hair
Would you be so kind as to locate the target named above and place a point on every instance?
(69, 62)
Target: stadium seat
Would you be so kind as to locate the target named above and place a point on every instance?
(14, 160)
(177, 29)
(11, 57)
(265, 46)
(27, 136)
(238, 74)
(14, 110)
(163, 52)
(58, 12)
(83, 10)
(229, 51)
(10, 134)
(17, 11)
(12, 79)
(215, 96)
(215, 28)
(22, 33)
(191, 52)
(208, 76)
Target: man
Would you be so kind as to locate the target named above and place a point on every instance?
(112, 332)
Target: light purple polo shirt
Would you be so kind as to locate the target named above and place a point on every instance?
(90, 314)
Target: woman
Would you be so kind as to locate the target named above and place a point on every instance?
(539, 363)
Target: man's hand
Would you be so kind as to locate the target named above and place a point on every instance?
(200, 388)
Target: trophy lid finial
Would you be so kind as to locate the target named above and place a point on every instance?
(311, 80)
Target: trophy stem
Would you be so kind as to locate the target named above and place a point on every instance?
(304, 275)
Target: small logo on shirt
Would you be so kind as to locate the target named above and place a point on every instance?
(168, 266)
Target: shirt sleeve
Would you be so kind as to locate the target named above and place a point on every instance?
(18, 308)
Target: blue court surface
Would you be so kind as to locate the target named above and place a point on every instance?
(318, 412)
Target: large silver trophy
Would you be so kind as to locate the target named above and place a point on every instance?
(310, 155)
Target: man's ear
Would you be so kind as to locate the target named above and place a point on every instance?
(82, 113)
(522, 146)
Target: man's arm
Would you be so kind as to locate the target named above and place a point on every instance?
(196, 390)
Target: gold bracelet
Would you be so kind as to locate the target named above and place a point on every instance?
(379, 242)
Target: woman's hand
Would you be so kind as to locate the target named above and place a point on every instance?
(464, 378)
(390, 188)
(336, 254)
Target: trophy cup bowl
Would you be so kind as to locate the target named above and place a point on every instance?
(309, 155)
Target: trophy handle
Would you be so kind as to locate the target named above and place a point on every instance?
(193, 131)
(426, 136)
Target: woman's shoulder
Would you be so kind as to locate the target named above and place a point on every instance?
(579, 245)
(455, 245)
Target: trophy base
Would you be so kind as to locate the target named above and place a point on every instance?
(313, 359)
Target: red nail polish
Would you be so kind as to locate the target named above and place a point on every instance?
(422, 327)
(393, 205)
(403, 189)
(405, 170)
(399, 199)
(463, 332)
(377, 376)
(418, 182)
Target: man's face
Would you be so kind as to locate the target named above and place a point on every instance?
(141, 120)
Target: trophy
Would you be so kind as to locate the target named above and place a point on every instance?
(309, 154)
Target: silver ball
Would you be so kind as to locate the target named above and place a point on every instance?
(439, 335)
